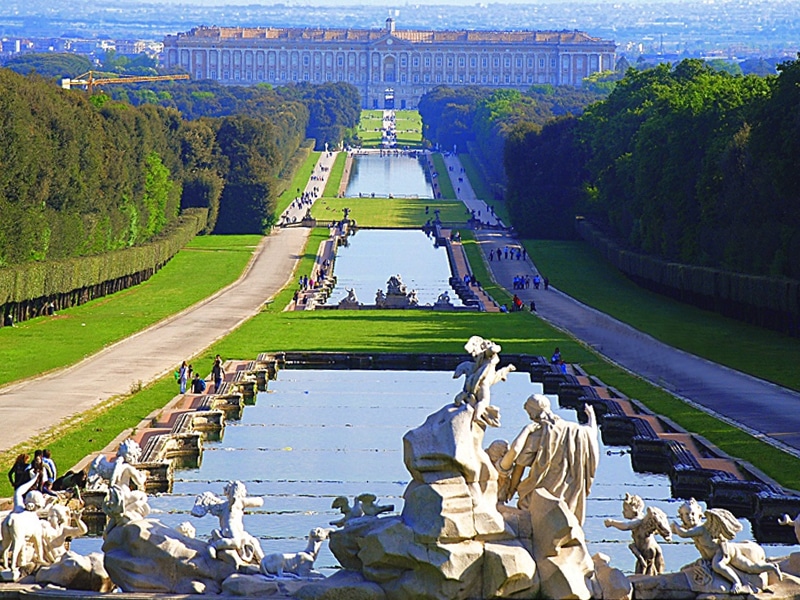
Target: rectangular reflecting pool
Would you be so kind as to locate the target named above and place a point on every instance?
(401, 176)
(320, 434)
(374, 255)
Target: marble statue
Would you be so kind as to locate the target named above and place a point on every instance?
(369, 508)
(22, 531)
(58, 529)
(481, 373)
(349, 301)
(380, 299)
(643, 525)
(496, 451)
(786, 520)
(342, 504)
(443, 302)
(296, 564)
(562, 457)
(412, 298)
(186, 529)
(712, 538)
(120, 471)
(231, 541)
(143, 555)
(395, 286)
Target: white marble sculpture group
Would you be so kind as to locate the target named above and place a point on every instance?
(456, 537)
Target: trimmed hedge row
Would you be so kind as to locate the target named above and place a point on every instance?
(769, 302)
(43, 281)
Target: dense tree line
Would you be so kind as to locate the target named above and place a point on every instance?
(81, 176)
(687, 163)
(481, 119)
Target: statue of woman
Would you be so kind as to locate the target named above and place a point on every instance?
(562, 457)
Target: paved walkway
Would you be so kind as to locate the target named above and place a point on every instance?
(314, 189)
(32, 407)
(465, 193)
(764, 409)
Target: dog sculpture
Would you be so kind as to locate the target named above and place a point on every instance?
(297, 564)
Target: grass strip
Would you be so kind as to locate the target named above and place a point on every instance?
(443, 177)
(299, 182)
(335, 176)
(407, 213)
(476, 180)
(577, 269)
(204, 266)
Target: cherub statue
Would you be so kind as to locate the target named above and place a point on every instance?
(413, 300)
(230, 541)
(643, 527)
(105, 473)
(481, 374)
(58, 529)
(712, 538)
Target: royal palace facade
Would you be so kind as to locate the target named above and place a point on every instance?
(390, 67)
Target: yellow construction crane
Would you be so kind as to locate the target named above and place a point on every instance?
(91, 79)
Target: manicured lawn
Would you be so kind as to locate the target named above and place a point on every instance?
(445, 185)
(369, 128)
(481, 188)
(206, 265)
(299, 182)
(388, 212)
(335, 176)
(575, 268)
(408, 124)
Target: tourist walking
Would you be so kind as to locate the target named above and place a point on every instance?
(217, 372)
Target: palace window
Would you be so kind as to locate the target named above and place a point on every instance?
(415, 61)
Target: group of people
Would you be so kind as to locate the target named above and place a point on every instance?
(41, 467)
(190, 379)
(507, 253)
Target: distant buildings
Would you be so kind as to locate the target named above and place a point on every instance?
(389, 66)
